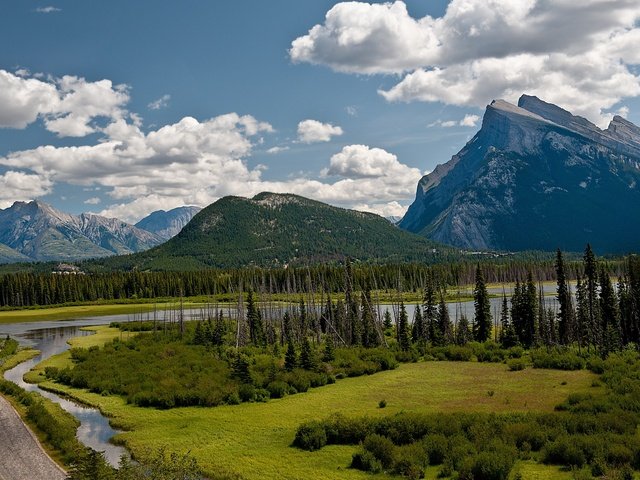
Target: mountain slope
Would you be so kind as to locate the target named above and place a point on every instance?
(9, 255)
(276, 229)
(40, 232)
(535, 177)
(168, 224)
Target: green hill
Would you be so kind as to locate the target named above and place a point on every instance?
(280, 229)
(9, 255)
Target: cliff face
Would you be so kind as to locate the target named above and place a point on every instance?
(535, 177)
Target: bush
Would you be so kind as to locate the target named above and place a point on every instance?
(366, 461)
(516, 364)
(381, 447)
(563, 452)
(494, 465)
(311, 436)
(435, 447)
(278, 389)
(557, 360)
(247, 392)
(382, 403)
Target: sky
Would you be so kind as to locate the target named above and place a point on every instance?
(122, 108)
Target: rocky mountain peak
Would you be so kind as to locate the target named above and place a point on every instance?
(535, 177)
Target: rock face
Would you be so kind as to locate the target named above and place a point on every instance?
(168, 224)
(535, 177)
(40, 232)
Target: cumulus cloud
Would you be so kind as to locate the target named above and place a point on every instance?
(160, 103)
(93, 201)
(576, 54)
(15, 186)
(313, 131)
(68, 106)
(469, 120)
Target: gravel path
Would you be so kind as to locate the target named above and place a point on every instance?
(21, 456)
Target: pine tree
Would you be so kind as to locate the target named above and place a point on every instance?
(329, 350)
(290, 357)
(387, 322)
(241, 369)
(418, 330)
(463, 331)
(593, 307)
(508, 337)
(307, 356)
(610, 314)
(404, 339)
(198, 335)
(286, 328)
(445, 328)
(582, 313)
(254, 319)
(566, 315)
(483, 321)
(430, 310)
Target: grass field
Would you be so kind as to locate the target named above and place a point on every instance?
(253, 439)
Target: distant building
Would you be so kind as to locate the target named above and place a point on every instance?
(67, 269)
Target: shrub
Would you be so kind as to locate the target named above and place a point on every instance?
(311, 436)
(495, 465)
(516, 364)
(382, 403)
(564, 452)
(278, 389)
(381, 447)
(435, 447)
(247, 392)
(366, 461)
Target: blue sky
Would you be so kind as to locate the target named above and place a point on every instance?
(388, 86)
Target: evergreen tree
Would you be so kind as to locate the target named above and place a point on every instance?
(610, 314)
(531, 313)
(430, 312)
(566, 314)
(445, 328)
(582, 313)
(254, 319)
(463, 331)
(508, 337)
(387, 322)
(241, 369)
(290, 357)
(369, 332)
(329, 350)
(307, 356)
(593, 306)
(418, 330)
(483, 321)
(219, 330)
(199, 337)
(286, 328)
(90, 466)
(404, 340)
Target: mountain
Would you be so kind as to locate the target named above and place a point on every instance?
(40, 232)
(168, 224)
(535, 177)
(9, 255)
(279, 229)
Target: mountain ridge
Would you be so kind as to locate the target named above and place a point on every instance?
(531, 174)
(40, 232)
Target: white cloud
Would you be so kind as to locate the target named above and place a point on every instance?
(575, 54)
(48, 9)
(15, 186)
(161, 102)
(313, 131)
(469, 120)
(351, 110)
(390, 209)
(277, 149)
(68, 105)
(93, 201)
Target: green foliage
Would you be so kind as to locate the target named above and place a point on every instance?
(557, 359)
(311, 436)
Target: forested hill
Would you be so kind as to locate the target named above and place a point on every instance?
(280, 229)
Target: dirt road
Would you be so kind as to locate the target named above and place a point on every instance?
(21, 456)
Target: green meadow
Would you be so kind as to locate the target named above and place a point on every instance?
(253, 440)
